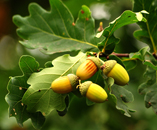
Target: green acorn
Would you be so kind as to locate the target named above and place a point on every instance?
(65, 84)
(88, 68)
(112, 69)
(93, 92)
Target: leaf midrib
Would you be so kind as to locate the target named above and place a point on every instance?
(60, 37)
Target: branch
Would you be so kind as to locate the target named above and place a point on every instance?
(116, 54)
(155, 56)
(120, 54)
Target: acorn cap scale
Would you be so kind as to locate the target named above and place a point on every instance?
(74, 80)
(108, 65)
(84, 87)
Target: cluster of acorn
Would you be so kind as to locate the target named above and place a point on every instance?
(86, 70)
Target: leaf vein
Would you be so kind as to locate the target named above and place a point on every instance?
(63, 21)
(44, 21)
(60, 37)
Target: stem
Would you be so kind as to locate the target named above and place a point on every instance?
(100, 54)
(155, 56)
(100, 27)
(101, 61)
(129, 59)
(120, 55)
(79, 84)
(99, 58)
(151, 38)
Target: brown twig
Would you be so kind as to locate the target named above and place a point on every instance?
(120, 54)
(155, 56)
(116, 54)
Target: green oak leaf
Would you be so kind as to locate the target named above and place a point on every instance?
(48, 64)
(123, 96)
(140, 54)
(39, 96)
(147, 34)
(108, 44)
(109, 82)
(150, 61)
(131, 62)
(148, 88)
(150, 75)
(62, 113)
(150, 99)
(17, 86)
(119, 96)
(55, 31)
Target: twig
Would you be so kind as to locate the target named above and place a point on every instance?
(116, 54)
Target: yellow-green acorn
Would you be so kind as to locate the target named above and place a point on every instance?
(93, 92)
(88, 68)
(112, 69)
(65, 84)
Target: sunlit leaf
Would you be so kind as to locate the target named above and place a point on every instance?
(39, 96)
(139, 16)
(17, 86)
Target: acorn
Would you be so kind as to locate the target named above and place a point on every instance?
(93, 92)
(112, 69)
(65, 84)
(88, 68)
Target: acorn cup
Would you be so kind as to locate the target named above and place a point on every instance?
(65, 84)
(88, 68)
(112, 69)
(93, 92)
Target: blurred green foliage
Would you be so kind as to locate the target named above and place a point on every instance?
(80, 116)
